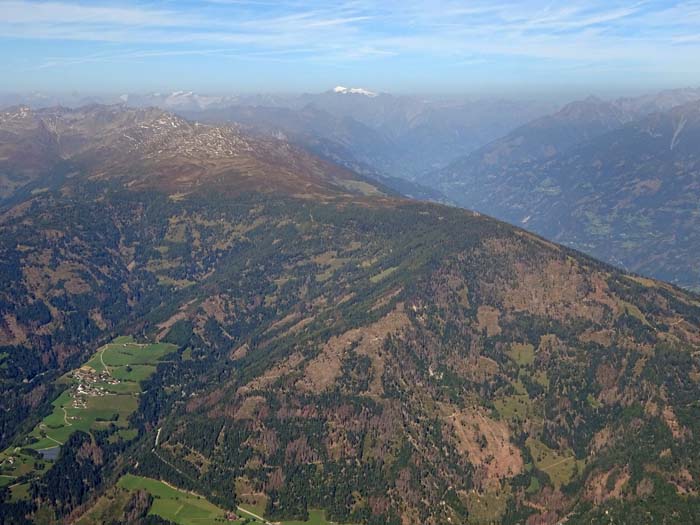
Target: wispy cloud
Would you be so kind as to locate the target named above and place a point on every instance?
(468, 33)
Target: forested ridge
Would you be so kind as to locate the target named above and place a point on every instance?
(388, 361)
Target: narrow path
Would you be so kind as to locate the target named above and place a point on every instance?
(557, 463)
(174, 467)
(54, 440)
(260, 518)
(240, 509)
(65, 417)
(23, 482)
(102, 353)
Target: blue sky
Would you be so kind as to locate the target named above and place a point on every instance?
(436, 46)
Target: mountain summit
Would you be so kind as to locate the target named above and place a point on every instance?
(151, 148)
(353, 91)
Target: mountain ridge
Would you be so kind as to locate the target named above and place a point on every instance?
(386, 360)
(112, 141)
(623, 194)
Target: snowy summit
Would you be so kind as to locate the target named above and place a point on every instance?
(353, 91)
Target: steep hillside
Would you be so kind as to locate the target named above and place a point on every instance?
(552, 135)
(628, 196)
(540, 139)
(27, 149)
(384, 360)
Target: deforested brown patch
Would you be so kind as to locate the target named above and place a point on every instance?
(166, 325)
(44, 278)
(385, 299)
(11, 332)
(685, 331)
(487, 445)
(601, 337)
(299, 326)
(215, 306)
(239, 352)
(286, 320)
(551, 503)
(557, 288)
(607, 376)
(602, 440)
(322, 371)
(299, 452)
(97, 318)
(683, 481)
(249, 408)
(280, 369)
(669, 417)
(597, 487)
(487, 317)
(645, 488)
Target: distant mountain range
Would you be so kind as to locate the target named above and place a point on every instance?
(395, 136)
(587, 175)
(619, 180)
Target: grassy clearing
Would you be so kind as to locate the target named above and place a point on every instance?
(522, 354)
(542, 378)
(164, 280)
(249, 499)
(632, 310)
(331, 266)
(186, 508)
(316, 517)
(383, 274)
(559, 466)
(67, 418)
(133, 373)
(175, 505)
(487, 508)
(121, 354)
(19, 492)
(18, 464)
(516, 407)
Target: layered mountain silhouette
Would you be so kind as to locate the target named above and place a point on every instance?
(599, 177)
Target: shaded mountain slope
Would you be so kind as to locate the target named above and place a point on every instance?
(628, 196)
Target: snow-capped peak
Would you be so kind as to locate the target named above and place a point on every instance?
(353, 91)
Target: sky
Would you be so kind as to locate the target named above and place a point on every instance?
(406, 46)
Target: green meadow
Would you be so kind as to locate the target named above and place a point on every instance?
(560, 466)
(101, 393)
(175, 505)
(186, 508)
